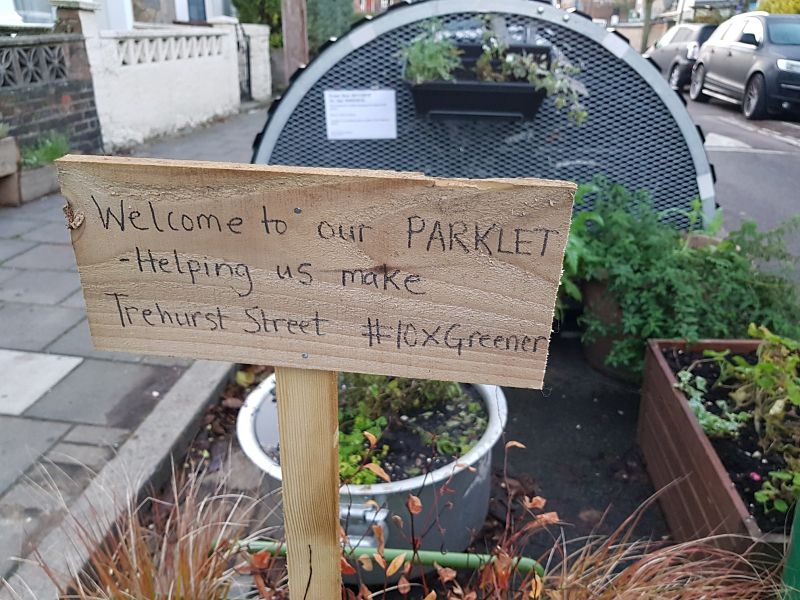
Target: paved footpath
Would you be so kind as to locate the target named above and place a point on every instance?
(65, 407)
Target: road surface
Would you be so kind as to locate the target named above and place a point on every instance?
(757, 163)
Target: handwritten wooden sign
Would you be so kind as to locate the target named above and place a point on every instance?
(375, 272)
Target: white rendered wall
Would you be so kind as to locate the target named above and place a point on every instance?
(150, 83)
(260, 70)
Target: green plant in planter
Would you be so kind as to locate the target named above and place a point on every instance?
(766, 391)
(49, 148)
(430, 56)
(665, 286)
(367, 402)
(555, 76)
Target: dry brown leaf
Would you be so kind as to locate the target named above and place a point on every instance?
(395, 565)
(232, 402)
(446, 574)
(536, 587)
(403, 586)
(378, 471)
(398, 521)
(378, 531)
(366, 562)
(413, 504)
(346, 567)
(535, 503)
(370, 438)
(379, 559)
(513, 444)
(431, 596)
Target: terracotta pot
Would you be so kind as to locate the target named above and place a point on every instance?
(9, 172)
(602, 303)
(697, 495)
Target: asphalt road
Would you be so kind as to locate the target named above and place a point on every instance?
(757, 163)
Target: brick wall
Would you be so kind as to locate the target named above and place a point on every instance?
(46, 85)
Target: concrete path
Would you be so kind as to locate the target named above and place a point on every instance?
(65, 407)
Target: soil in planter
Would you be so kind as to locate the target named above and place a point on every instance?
(742, 457)
(419, 441)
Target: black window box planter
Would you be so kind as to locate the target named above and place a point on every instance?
(468, 98)
(476, 100)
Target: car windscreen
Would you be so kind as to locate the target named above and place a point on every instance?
(704, 34)
(784, 32)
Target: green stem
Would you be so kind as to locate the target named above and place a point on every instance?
(454, 560)
(791, 570)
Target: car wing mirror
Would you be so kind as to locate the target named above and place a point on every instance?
(749, 39)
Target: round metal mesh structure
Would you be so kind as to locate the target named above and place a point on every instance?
(638, 132)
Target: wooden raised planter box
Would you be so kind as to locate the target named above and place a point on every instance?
(696, 494)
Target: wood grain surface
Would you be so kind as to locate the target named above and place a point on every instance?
(367, 271)
(309, 434)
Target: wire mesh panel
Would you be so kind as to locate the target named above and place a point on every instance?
(637, 132)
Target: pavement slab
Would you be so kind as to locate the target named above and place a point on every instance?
(52, 257)
(43, 210)
(102, 393)
(11, 228)
(97, 436)
(27, 376)
(10, 248)
(31, 327)
(74, 301)
(38, 287)
(78, 342)
(90, 457)
(22, 443)
(53, 233)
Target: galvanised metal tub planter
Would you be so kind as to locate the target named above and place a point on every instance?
(697, 495)
(455, 497)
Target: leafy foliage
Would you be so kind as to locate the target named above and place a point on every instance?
(430, 56)
(365, 402)
(262, 12)
(695, 387)
(555, 76)
(51, 147)
(327, 19)
(666, 286)
(768, 391)
(784, 7)
(5, 129)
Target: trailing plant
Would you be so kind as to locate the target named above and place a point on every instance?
(49, 148)
(556, 76)
(666, 286)
(430, 56)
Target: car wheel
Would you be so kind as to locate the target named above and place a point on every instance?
(696, 85)
(675, 78)
(754, 104)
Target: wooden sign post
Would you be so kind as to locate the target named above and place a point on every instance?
(316, 271)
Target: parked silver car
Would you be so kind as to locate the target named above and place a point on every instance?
(752, 59)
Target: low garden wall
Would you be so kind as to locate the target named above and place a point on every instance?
(46, 85)
(154, 82)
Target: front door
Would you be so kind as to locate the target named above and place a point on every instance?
(743, 55)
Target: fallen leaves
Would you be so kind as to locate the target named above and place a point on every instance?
(378, 471)
(413, 504)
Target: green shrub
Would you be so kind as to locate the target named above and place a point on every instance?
(665, 287)
(4, 130)
(327, 19)
(262, 12)
(49, 148)
(787, 7)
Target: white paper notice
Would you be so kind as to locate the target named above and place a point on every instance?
(361, 114)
